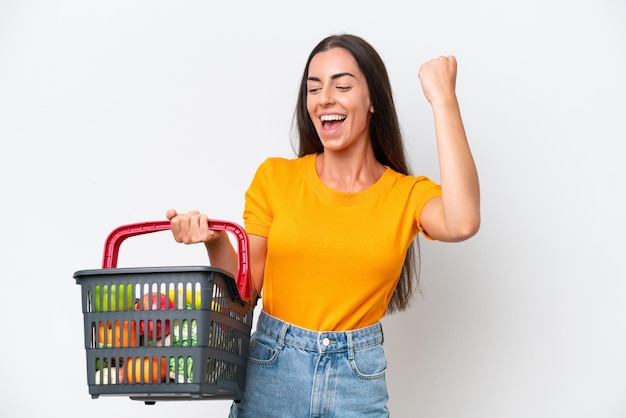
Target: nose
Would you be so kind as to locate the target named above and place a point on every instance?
(326, 96)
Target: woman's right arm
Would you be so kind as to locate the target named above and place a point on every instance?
(193, 227)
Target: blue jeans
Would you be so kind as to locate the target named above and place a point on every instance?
(294, 372)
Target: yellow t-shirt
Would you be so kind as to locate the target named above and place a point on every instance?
(333, 258)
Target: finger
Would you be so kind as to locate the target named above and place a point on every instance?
(171, 213)
(180, 226)
(176, 229)
(194, 227)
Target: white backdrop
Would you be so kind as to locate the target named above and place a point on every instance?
(112, 112)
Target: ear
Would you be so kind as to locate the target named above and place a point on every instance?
(371, 109)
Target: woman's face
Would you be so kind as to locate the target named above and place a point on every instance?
(338, 100)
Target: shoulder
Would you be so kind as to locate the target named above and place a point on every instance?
(281, 165)
(417, 189)
(276, 176)
(410, 181)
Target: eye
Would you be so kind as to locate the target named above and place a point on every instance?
(313, 90)
(343, 88)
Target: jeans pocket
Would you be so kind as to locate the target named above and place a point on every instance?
(369, 362)
(262, 350)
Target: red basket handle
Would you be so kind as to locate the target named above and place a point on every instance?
(119, 234)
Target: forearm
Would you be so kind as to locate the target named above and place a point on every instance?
(458, 175)
(222, 254)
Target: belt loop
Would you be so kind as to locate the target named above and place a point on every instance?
(350, 345)
(281, 336)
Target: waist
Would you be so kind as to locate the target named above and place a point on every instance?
(319, 341)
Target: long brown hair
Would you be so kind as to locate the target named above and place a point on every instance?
(385, 135)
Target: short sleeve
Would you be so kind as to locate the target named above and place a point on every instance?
(427, 190)
(258, 214)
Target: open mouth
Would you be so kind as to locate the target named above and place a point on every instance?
(332, 121)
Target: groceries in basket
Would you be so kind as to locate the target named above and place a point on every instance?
(160, 333)
(154, 302)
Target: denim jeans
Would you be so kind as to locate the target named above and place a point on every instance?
(294, 372)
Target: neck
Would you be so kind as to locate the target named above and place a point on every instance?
(348, 174)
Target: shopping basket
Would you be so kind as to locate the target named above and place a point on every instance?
(166, 333)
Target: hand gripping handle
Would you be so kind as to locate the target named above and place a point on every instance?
(119, 234)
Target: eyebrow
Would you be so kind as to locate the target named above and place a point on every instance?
(333, 77)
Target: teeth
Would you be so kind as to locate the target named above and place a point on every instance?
(326, 118)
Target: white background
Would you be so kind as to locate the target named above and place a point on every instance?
(111, 112)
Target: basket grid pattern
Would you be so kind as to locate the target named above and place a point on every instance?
(162, 333)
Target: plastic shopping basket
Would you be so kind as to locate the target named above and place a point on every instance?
(166, 333)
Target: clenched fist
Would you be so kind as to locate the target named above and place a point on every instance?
(438, 78)
(191, 227)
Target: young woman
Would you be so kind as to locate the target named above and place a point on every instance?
(332, 233)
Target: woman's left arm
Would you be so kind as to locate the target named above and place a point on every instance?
(455, 216)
